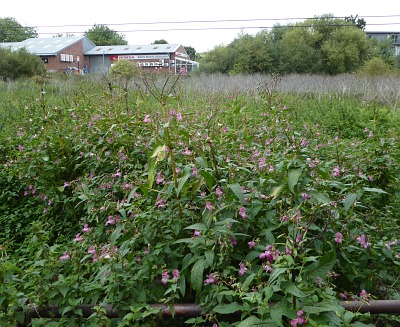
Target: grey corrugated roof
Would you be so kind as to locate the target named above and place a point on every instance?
(133, 49)
(46, 46)
(10, 45)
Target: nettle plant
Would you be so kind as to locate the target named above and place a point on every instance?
(222, 203)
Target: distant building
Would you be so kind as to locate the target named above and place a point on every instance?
(80, 55)
(153, 57)
(383, 36)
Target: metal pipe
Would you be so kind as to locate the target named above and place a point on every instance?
(378, 306)
(193, 310)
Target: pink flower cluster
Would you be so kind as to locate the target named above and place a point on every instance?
(300, 320)
(212, 279)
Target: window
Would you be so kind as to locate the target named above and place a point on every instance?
(66, 57)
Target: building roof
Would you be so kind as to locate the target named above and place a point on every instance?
(133, 49)
(46, 46)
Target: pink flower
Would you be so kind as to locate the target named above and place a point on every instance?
(338, 237)
(251, 244)
(160, 203)
(110, 221)
(361, 239)
(336, 171)
(219, 192)
(305, 196)
(187, 152)
(242, 269)
(196, 233)
(147, 119)
(78, 238)
(364, 295)
(160, 178)
(86, 229)
(195, 171)
(175, 274)
(164, 277)
(65, 256)
(242, 212)
(91, 250)
(211, 279)
(300, 320)
(209, 207)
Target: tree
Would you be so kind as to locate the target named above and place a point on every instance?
(346, 50)
(218, 60)
(20, 63)
(124, 71)
(358, 22)
(12, 31)
(161, 41)
(191, 52)
(103, 35)
(299, 52)
(252, 54)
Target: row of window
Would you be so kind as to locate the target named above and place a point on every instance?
(66, 57)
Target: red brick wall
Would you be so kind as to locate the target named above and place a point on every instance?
(55, 64)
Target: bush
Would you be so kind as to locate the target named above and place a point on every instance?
(20, 63)
(376, 67)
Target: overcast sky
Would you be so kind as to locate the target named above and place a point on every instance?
(143, 22)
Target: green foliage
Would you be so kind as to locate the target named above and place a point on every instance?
(103, 35)
(161, 41)
(124, 71)
(12, 31)
(375, 67)
(192, 53)
(20, 63)
(236, 202)
(324, 45)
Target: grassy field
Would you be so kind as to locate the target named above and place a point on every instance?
(231, 192)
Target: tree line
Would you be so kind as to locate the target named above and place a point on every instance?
(322, 45)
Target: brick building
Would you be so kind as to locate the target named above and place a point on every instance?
(79, 54)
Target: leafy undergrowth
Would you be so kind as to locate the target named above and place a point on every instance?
(219, 200)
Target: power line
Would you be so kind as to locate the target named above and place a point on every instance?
(223, 28)
(214, 21)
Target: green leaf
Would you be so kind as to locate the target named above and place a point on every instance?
(321, 267)
(158, 155)
(292, 289)
(196, 276)
(228, 308)
(182, 182)
(350, 200)
(67, 309)
(199, 226)
(209, 257)
(237, 190)
(320, 198)
(293, 178)
(248, 281)
(323, 306)
(279, 310)
(116, 233)
(275, 274)
(375, 190)
(208, 178)
(251, 321)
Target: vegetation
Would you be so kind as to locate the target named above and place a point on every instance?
(20, 63)
(103, 35)
(323, 45)
(236, 199)
(12, 31)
